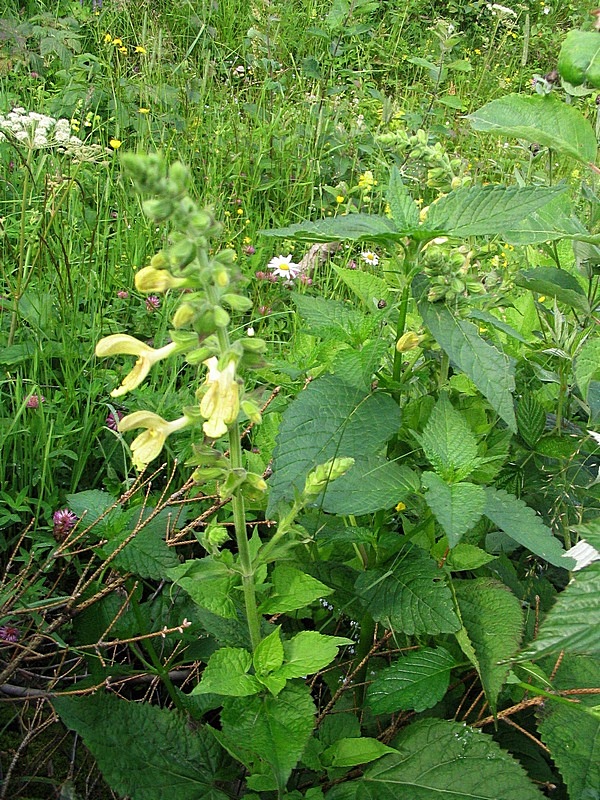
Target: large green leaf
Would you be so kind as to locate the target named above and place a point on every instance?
(587, 366)
(356, 750)
(351, 227)
(405, 211)
(357, 367)
(441, 760)
(411, 597)
(369, 486)
(292, 589)
(147, 554)
(416, 682)
(227, 673)
(330, 318)
(143, 751)
(579, 58)
(523, 525)
(485, 210)
(573, 735)
(448, 442)
(553, 221)
(573, 623)
(268, 734)
(330, 418)
(544, 120)
(371, 289)
(210, 584)
(556, 283)
(456, 507)
(493, 621)
(488, 368)
(308, 652)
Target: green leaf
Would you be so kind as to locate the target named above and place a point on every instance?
(414, 682)
(573, 735)
(352, 227)
(268, 655)
(531, 419)
(308, 652)
(448, 442)
(441, 760)
(329, 419)
(555, 282)
(488, 368)
(457, 507)
(370, 485)
(467, 557)
(587, 366)
(405, 211)
(412, 597)
(209, 583)
(553, 221)
(147, 554)
(357, 367)
(485, 210)
(330, 318)
(143, 751)
(292, 589)
(226, 674)
(490, 319)
(573, 623)
(268, 734)
(351, 752)
(523, 525)
(579, 59)
(543, 120)
(369, 288)
(90, 505)
(493, 620)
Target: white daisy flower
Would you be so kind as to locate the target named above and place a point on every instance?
(284, 267)
(370, 258)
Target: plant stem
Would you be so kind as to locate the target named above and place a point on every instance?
(21, 265)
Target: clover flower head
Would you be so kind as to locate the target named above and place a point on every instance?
(113, 418)
(152, 303)
(64, 521)
(284, 267)
(8, 633)
(35, 400)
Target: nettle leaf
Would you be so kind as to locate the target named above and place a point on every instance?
(227, 673)
(448, 442)
(523, 525)
(531, 419)
(579, 59)
(144, 752)
(292, 589)
(147, 554)
(466, 557)
(405, 211)
(488, 368)
(210, 584)
(350, 752)
(571, 732)
(542, 120)
(373, 484)
(357, 367)
(308, 652)
(573, 623)
(268, 734)
(351, 227)
(587, 366)
(553, 221)
(441, 760)
(556, 283)
(414, 682)
(493, 620)
(268, 655)
(330, 418)
(485, 210)
(367, 287)
(411, 597)
(457, 507)
(330, 318)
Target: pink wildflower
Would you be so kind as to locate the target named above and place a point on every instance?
(64, 522)
(34, 400)
(122, 294)
(152, 303)
(8, 633)
(113, 419)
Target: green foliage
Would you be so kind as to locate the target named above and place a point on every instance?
(578, 59)
(457, 507)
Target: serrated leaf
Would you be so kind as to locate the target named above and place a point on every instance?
(227, 673)
(579, 58)
(467, 557)
(523, 525)
(369, 288)
(457, 507)
(330, 418)
(352, 227)
(573, 623)
(268, 734)
(147, 554)
(531, 419)
(269, 653)
(412, 597)
(448, 442)
(357, 367)
(493, 619)
(143, 751)
(587, 365)
(330, 318)
(405, 211)
(209, 583)
(441, 760)
(309, 651)
(490, 319)
(543, 120)
(292, 589)
(553, 221)
(414, 682)
(488, 368)
(350, 752)
(371, 485)
(556, 283)
(485, 210)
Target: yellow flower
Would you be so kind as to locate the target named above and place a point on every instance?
(117, 42)
(140, 49)
(400, 507)
(150, 279)
(220, 405)
(122, 344)
(143, 110)
(123, 50)
(115, 143)
(366, 181)
(339, 198)
(148, 445)
(408, 341)
(107, 38)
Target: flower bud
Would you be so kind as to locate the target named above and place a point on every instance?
(185, 314)
(221, 317)
(237, 302)
(150, 279)
(318, 478)
(181, 254)
(408, 341)
(252, 411)
(158, 210)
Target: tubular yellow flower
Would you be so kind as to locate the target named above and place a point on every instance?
(150, 279)
(220, 405)
(408, 341)
(122, 344)
(148, 445)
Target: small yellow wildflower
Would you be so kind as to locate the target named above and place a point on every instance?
(400, 507)
(123, 344)
(107, 38)
(220, 405)
(247, 240)
(143, 110)
(148, 445)
(340, 198)
(123, 50)
(366, 181)
(240, 211)
(140, 49)
(117, 42)
(115, 143)
(541, 298)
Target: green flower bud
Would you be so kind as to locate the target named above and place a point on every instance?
(179, 176)
(181, 254)
(221, 277)
(254, 345)
(158, 210)
(221, 317)
(237, 302)
(185, 314)
(320, 476)
(408, 341)
(252, 411)
(159, 261)
(206, 474)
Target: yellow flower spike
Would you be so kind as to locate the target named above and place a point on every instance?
(122, 344)
(220, 405)
(150, 279)
(148, 445)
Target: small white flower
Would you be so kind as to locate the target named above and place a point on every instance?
(250, 332)
(370, 258)
(546, 9)
(284, 267)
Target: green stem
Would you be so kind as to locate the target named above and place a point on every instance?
(21, 265)
(557, 697)
(402, 312)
